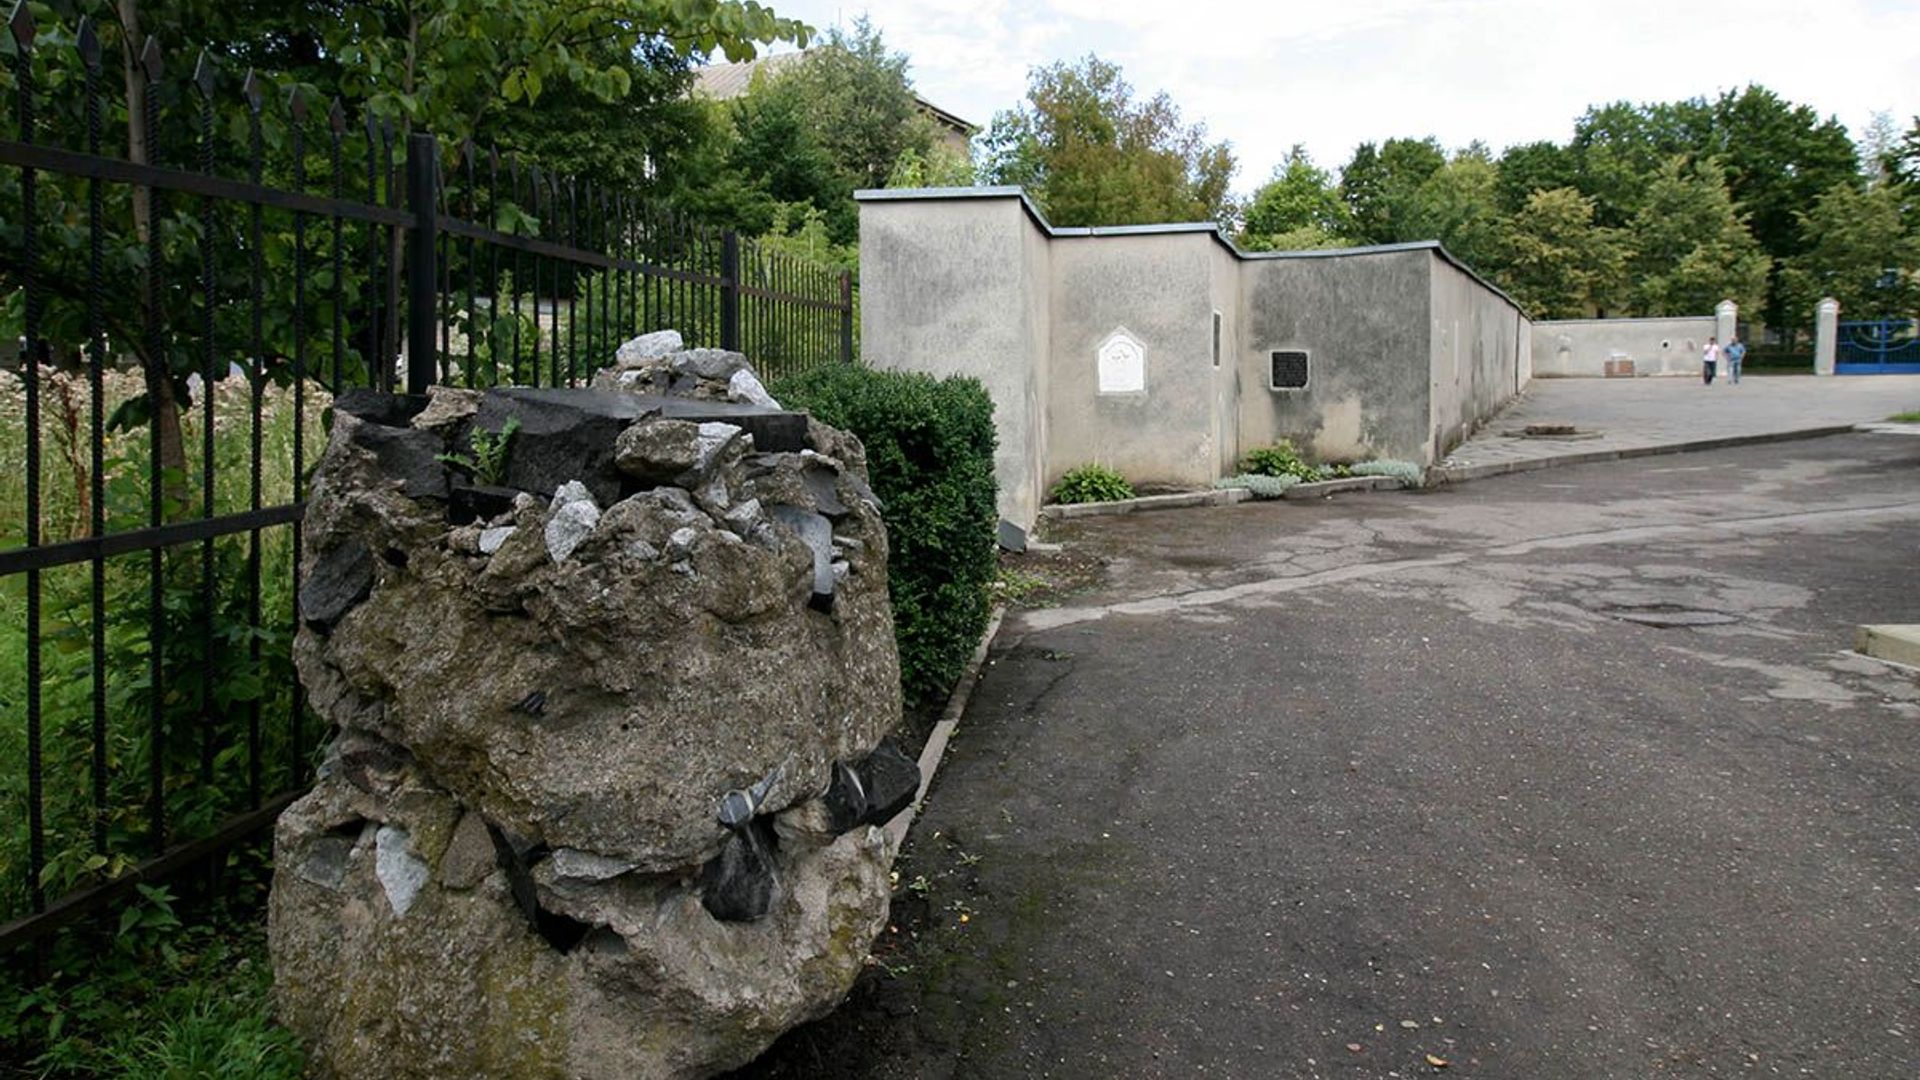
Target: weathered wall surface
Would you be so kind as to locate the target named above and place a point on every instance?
(1580, 348)
(1362, 318)
(1157, 289)
(1225, 360)
(1476, 354)
(959, 287)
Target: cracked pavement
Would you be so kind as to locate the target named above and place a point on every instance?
(1323, 789)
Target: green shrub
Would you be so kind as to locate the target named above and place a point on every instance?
(1262, 486)
(930, 460)
(1280, 459)
(1404, 471)
(1090, 484)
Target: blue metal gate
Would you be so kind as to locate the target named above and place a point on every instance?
(1877, 347)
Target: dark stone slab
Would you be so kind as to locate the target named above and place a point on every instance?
(564, 434)
(388, 410)
(773, 430)
(737, 885)
(412, 457)
(1012, 537)
(823, 484)
(340, 579)
(468, 503)
(891, 779)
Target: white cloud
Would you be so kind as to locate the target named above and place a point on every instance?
(1333, 74)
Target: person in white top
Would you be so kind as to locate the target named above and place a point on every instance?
(1710, 360)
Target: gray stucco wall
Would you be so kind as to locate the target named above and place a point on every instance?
(1408, 350)
(1580, 348)
(1476, 355)
(1362, 318)
(1158, 289)
(960, 289)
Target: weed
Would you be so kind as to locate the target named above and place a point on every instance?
(488, 462)
(1911, 416)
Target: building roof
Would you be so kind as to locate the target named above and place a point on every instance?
(720, 82)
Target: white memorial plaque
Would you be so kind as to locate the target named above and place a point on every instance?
(1123, 364)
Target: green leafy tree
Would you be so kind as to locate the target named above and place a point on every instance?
(1379, 186)
(1617, 148)
(1458, 205)
(1858, 250)
(1556, 261)
(1299, 201)
(1091, 153)
(858, 103)
(1690, 248)
(1531, 167)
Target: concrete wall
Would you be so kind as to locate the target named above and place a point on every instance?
(1408, 349)
(926, 305)
(1477, 355)
(1362, 319)
(1580, 348)
(1157, 288)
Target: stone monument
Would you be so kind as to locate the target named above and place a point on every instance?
(611, 693)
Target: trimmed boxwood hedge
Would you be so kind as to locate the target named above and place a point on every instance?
(930, 450)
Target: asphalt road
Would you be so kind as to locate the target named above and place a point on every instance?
(1568, 774)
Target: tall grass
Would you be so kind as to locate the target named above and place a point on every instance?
(207, 696)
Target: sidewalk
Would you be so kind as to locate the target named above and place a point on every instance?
(1668, 415)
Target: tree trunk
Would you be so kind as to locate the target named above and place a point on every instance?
(166, 408)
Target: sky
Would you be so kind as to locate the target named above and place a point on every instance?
(1330, 74)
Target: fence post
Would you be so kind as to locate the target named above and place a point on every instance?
(730, 290)
(1826, 333)
(846, 316)
(423, 166)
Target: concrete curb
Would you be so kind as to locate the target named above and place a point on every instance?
(1890, 641)
(1458, 473)
(1322, 488)
(1177, 501)
(936, 749)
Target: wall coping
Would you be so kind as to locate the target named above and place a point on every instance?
(1633, 318)
(1207, 227)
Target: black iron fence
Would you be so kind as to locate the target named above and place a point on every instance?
(184, 315)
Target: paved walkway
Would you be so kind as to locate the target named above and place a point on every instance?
(1640, 415)
(1567, 775)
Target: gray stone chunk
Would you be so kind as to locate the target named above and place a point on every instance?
(658, 451)
(325, 864)
(707, 363)
(340, 579)
(570, 522)
(646, 347)
(469, 857)
(817, 533)
(1012, 537)
(573, 864)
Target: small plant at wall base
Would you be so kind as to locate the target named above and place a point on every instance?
(1261, 485)
(1406, 472)
(1091, 484)
(488, 462)
(1280, 459)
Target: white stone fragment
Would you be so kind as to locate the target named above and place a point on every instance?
(578, 865)
(491, 539)
(646, 347)
(402, 874)
(746, 387)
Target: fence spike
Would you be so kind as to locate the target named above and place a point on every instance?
(297, 104)
(151, 61)
(337, 117)
(88, 41)
(203, 74)
(253, 90)
(21, 23)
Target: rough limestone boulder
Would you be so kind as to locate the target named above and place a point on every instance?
(611, 754)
